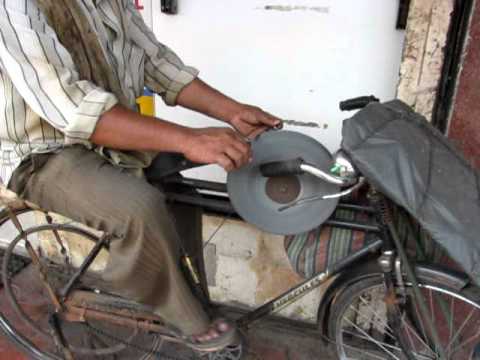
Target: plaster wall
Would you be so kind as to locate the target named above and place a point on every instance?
(423, 53)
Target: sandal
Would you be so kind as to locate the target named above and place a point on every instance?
(221, 334)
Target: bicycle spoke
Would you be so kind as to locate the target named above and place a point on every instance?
(455, 349)
(156, 346)
(373, 340)
(431, 307)
(452, 307)
(363, 332)
(368, 338)
(460, 330)
(422, 326)
(420, 356)
(419, 338)
(377, 317)
(361, 351)
(408, 334)
(375, 313)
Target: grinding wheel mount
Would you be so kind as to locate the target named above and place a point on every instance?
(258, 199)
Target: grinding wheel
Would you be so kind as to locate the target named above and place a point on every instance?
(257, 199)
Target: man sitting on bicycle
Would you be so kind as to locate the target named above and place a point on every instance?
(66, 106)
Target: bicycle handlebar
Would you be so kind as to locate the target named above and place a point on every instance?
(357, 103)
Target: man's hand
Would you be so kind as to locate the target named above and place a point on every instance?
(221, 146)
(251, 121)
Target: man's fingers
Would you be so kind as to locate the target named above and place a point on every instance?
(238, 138)
(236, 156)
(243, 146)
(225, 162)
(249, 118)
(257, 117)
(270, 120)
(253, 135)
(237, 149)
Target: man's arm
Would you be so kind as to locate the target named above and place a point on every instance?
(124, 129)
(248, 120)
(178, 84)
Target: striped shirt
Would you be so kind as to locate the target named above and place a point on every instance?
(44, 105)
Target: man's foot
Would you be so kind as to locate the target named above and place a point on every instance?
(220, 334)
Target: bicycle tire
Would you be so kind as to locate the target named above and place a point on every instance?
(346, 299)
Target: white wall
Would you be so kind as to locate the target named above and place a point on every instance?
(296, 60)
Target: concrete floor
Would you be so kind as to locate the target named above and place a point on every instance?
(268, 340)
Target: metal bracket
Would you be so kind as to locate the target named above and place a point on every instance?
(402, 294)
(169, 7)
(385, 261)
(403, 12)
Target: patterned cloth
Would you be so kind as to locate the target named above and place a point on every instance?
(45, 104)
(315, 250)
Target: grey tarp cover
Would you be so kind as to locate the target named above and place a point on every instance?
(412, 163)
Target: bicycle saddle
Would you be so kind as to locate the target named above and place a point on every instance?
(257, 198)
(167, 164)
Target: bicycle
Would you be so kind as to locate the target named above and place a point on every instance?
(380, 305)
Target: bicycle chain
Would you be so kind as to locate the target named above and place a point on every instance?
(136, 347)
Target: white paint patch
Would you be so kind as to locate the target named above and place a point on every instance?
(285, 8)
(300, 123)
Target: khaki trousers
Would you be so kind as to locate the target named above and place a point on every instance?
(144, 255)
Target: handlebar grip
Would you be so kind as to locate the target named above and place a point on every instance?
(282, 168)
(357, 103)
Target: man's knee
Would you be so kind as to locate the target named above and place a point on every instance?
(146, 205)
(147, 215)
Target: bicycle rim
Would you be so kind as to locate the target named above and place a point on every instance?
(363, 332)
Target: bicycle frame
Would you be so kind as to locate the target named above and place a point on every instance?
(307, 286)
(391, 253)
(387, 245)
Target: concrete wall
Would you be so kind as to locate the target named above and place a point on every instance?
(423, 54)
(247, 267)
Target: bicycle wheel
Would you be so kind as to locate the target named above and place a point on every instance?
(359, 327)
(58, 248)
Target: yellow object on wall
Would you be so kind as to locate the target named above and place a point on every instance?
(146, 103)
